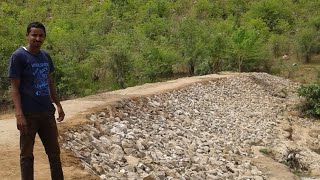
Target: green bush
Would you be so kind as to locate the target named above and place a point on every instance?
(311, 93)
(158, 62)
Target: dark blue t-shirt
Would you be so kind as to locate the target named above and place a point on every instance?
(33, 72)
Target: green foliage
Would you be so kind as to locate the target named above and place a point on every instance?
(267, 152)
(218, 49)
(279, 45)
(248, 49)
(203, 9)
(69, 75)
(312, 95)
(158, 62)
(117, 58)
(193, 42)
(119, 66)
(98, 45)
(277, 15)
(308, 43)
(155, 27)
(160, 8)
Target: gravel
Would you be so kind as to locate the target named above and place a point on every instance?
(204, 131)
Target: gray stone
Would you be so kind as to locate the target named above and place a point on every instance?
(204, 131)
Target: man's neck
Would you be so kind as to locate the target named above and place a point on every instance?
(33, 50)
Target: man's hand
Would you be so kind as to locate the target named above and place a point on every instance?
(61, 114)
(21, 120)
(22, 124)
(55, 99)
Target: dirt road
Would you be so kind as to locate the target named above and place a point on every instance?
(76, 111)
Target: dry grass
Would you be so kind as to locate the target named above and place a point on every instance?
(302, 73)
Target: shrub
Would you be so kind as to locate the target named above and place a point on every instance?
(311, 93)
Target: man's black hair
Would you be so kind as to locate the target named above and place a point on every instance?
(36, 25)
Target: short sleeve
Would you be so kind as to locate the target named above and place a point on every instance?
(16, 66)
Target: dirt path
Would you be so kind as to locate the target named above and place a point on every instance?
(76, 111)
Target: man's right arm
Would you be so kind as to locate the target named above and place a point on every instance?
(16, 97)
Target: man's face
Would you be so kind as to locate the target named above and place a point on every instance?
(36, 37)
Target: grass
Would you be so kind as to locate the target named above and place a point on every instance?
(267, 152)
(302, 73)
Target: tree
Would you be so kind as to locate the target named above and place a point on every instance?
(218, 51)
(308, 42)
(279, 45)
(192, 43)
(11, 37)
(159, 61)
(117, 58)
(277, 15)
(248, 49)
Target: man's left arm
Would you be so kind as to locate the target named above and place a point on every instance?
(55, 98)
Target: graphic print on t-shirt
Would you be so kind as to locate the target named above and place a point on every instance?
(40, 72)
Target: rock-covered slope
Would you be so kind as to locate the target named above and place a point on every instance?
(204, 131)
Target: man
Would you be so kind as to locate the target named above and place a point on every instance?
(33, 90)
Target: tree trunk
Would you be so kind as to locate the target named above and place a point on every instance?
(191, 67)
(307, 58)
(239, 64)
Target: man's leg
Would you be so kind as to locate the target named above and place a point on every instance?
(26, 149)
(48, 134)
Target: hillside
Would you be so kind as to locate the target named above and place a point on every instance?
(110, 44)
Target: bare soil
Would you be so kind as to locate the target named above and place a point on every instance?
(76, 112)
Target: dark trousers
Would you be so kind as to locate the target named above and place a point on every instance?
(45, 125)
